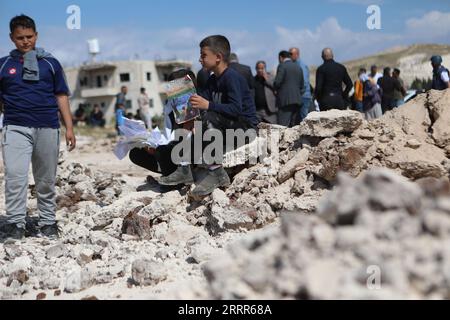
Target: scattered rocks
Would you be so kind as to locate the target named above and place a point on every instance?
(56, 251)
(367, 233)
(41, 296)
(394, 221)
(147, 272)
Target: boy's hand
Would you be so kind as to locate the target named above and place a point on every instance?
(71, 141)
(199, 102)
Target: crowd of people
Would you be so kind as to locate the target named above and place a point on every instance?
(94, 118)
(287, 97)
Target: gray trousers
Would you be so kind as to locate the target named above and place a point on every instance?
(20, 146)
(288, 114)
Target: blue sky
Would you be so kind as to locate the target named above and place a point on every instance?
(257, 29)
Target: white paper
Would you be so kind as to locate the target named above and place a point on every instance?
(137, 136)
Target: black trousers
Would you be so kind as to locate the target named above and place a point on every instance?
(387, 104)
(332, 101)
(160, 162)
(287, 115)
(221, 122)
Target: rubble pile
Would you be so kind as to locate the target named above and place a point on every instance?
(384, 209)
(380, 236)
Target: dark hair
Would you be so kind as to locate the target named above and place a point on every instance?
(218, 44)
(387, 70)
(183, 73)
(362, 70)
(284, 54)
(260, 61)
(142, 90)
(373, 67)
(22, 21)
(397, 70)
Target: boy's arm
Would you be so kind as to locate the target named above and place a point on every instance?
(233, 107)
(64, 108)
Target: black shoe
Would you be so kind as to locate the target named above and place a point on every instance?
(51, 231)
(12, 231)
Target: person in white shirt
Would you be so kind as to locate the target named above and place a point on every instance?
(144, 108)
(374, 75)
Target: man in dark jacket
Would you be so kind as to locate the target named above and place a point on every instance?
(329, 78)
(388, 85)
(289, 84)
(440, 74)
(244, 70)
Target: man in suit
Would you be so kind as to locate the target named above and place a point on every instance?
(244, 70)
(329, 78)
(289, 84)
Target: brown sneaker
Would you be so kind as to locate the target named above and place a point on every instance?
(214, 179)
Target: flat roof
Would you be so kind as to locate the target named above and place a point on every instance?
(97, 66)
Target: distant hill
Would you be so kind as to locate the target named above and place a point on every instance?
(413, 61)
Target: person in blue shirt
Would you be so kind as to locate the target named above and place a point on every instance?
(226, 103)
(307, 96)
(33, 89)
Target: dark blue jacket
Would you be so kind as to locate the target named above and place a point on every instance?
(438, 83)
(229, 94)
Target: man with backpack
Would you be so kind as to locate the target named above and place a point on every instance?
(441, 79)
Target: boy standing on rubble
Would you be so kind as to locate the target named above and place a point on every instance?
(32, 88)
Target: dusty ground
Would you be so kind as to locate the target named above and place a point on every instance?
(185, 279)
(335, 199)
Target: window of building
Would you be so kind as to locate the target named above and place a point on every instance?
(151, 103)
(128, 104)
(99, 82)
(149, 76)
(166, 77)
(124, 77)
(84, 82)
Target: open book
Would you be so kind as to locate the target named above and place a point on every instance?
(179, 91)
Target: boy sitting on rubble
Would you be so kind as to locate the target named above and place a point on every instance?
(227, 104)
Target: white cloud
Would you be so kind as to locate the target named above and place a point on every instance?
(123, 43)
(433, 25)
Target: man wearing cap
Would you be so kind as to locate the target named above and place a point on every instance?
(441, 79)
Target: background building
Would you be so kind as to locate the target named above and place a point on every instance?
(99, 83)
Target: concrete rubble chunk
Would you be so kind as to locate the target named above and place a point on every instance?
(147, 272)
(293, 165)
(330, 123)
(56, 251)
